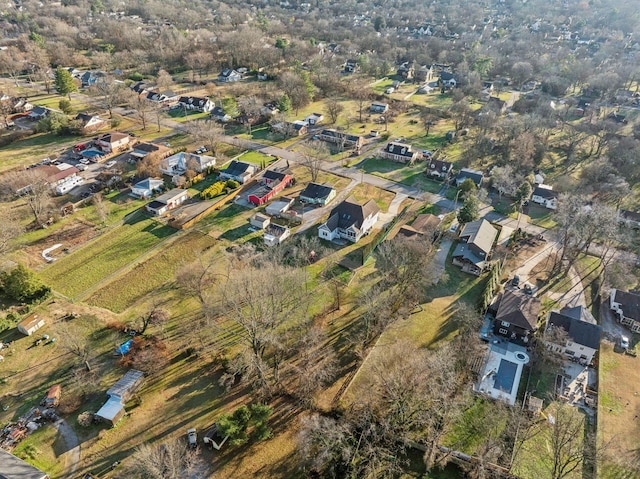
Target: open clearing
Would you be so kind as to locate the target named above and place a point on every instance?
(105, 255)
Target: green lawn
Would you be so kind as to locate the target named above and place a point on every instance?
(405, 174)
(151, 274)
(41, 449)
(257, 158)
(542, 217)
(178, 115)
(82, 269)
(33, 149)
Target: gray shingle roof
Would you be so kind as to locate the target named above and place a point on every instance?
(480, 233)
(12, 467)
(519, 309)
(579, 331)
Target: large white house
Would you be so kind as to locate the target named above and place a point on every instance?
(179, 163)
(573, 332)
(350, 220)
(545, 196)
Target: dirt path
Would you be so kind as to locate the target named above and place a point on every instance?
(72, 454)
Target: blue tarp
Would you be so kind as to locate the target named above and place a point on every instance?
(124, 349)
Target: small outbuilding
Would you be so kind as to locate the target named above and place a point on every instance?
(53, 396)
(30, 324)
(113, 410)
(260, 221)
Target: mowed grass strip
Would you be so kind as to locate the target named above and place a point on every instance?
(151, 274)
(103, 256)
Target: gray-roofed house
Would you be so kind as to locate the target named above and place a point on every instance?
(89, 123)
(350, 220)
(238, 171)
(339, 138)
(317, 194)
(38, 112)
(474, 248)
(626, 306)
(275, 234)
(229, 75)
(196, 103)
(473, 175)
(142, 149)
(545, 196)
(581, 337)
(123, 390)
(146, 188)
(168, 201)
(516, 316)
(179, 163)
(12, 467)
(219, 114)
(378, 107)
(424, 224)
(400, 152)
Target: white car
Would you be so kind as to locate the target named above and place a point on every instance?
(193, 437)
(110, 164)
(82, 167)
(624, 342)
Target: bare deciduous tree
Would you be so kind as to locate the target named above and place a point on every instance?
(170, 460)
(31, 185)
(312, 156)
(10, 230)
(334, 108)
(208, 132)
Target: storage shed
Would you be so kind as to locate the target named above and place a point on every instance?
(30, 324)
(113, 410)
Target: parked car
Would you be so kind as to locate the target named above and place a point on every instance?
(193, 437)
(515, 282)
(624, 342)
(110, 164)
(82, 167)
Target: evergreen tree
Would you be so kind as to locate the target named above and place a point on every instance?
(284, 103)
(470, 210)
(64, 82)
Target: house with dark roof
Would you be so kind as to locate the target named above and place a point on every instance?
(350, 220)
(378, 107)
(142, 87)
(447, 80)
(166, 97)
(272, 183)
(424, 225)
(229, 75)
(475, 246)
(474, 175)
(275, 234)
(399, 152)
(516, 317)
(317, 194)
(350, 66)
(626, 306)
(196, 103)
(438, 169)
(38, 112)
(629, 218)
(238, 171)
(90, 78)
(342, 139)
(89, 123)
(141, 150)
(424, 74)
(12, 467)
(218, 114)
(166, 202)
(545, 196)
(574, 333)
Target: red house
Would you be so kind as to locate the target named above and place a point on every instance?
(273, 182)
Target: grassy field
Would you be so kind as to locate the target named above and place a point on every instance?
(256, 158)
(42, 450)
(33, 149)
(542, 217)
(94, 262)
(364, 192)
(405, 174)
(618, 411)
(151, 274)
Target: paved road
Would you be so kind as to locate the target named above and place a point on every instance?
(72, 454)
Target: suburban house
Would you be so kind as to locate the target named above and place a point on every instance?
(517, 316)
(378, 107)
(626, 306)
(260, 221)
(341, 139)
(314, 119)
(424, 224)
(290, 128)
(424, 74)
(496, 105)
(273, 182)
(275, 234)
(142, 87)
(69, 183)
(279, 206)
(166, 97)
(123, 390)
(168, 201)
(218, 114)
(473, 175)
(90, 123)
(229, 75)
(146, 188)
(474, 248)
(90, 78)
(179, 163)
(406, 70)
(238, 171)
(113, 142)
(579, 337)
(439, 169)
(447, 80)
(30, 324)
(56, 175)
(350, 66)
(630, 218)
(140, 150)
(400, 152)
(350, 220)
(545, 196)
(203, 105)
(38, 112)
(12, 467)
(317, 194)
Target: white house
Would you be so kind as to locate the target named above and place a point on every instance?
(30, 324)
(238, 171)
(580, 336)
(68, 184)
(314, 119)
(196, 103)
(275, 234)
(350, 220)
(626, 306)
(170, 200)
(146, 188)
(180, 162)
(112, 142)
(260, 221)
(545, 196)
